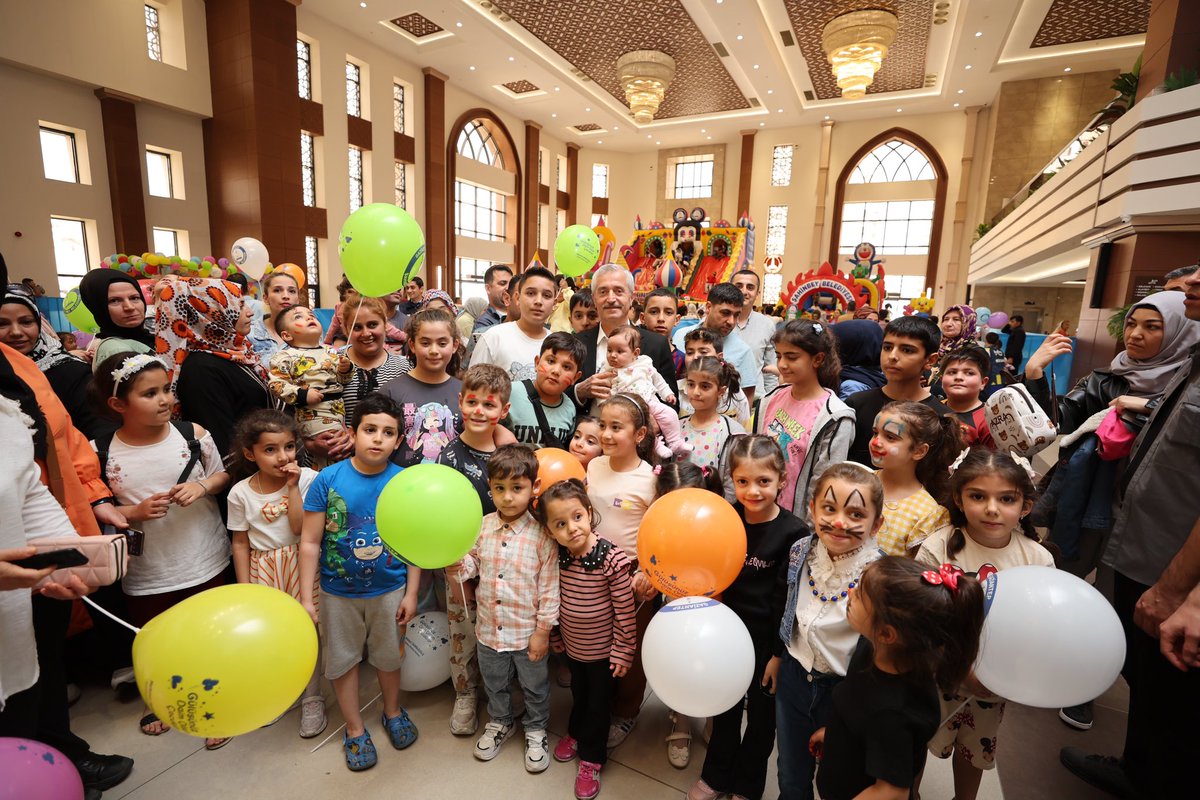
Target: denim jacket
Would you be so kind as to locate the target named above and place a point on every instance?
(796, 558)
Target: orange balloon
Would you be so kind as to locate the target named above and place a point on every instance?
(556, 465)
(691, 543)
(293, 270)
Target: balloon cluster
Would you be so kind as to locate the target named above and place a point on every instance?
(153, 265)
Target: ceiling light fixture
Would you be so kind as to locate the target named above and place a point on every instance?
(898, 110)
(588, 109)
(826, 116)
(960, 91)
(472, 68)
(645, 75)
(658, 142)
(510, 58)
(756, 66)
(1066, 69)
(770, 91)
(362, 5)
(956, 105)
(856, 44)
(554, 116)
(458, 24)
(599, 141)
(968, 66)
(762, 124)
(740, 37)
(978, 34)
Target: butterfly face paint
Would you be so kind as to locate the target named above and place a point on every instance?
(891, 446)
(842, 516)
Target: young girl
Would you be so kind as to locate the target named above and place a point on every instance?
(911, 446)
(706, 430)
(736, 762)
(585, 441)
(811, 425)
(702, 341)
(620, 484)
(847, 510)
(634, 373)
(922, 632)
(992, 493)
(595, 621)
(266, 511)
(163, 487)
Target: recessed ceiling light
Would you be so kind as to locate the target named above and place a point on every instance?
(362, 5)
(762, 124)
(710, 138)
(649, 135)
(720, 1)
(554, 116)
(658, 142)
(587, 109)
(978, 34)
(956, 105)
(967, 67)
(599, 141)
(960, 91)
(472, 68)
(779, 111)
(616, 127)
(510, 58)
(1066, 69)
(898, 110)
(756, 66)
(740, 37)
(826, 116)
(458, 24)
(703, 130)
(770, 91)
(558, 88)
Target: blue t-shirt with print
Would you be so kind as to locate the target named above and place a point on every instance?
(354, 561)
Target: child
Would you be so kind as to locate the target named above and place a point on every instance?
(366, 591)
(163, 476)
(484, 401)
(308, 375)
(585, 441)
(911, 447)
(702, 341)
(266, 512)
(635, 374)
(584, 316)
(706, 429)
(660, 315)
(596, 624)
(736, 762)
(989, 530)
(847, 510)
(1001, 372)
(803, 415)
(515, 345)
(428, 394)
(517, 563)
(620, 484)
(965, 374)
(910, 346)
(922, 633)
(541, 414)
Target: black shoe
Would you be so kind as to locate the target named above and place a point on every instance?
(103, 772)
(1104, 772)
(92, 794)
(1078, 717)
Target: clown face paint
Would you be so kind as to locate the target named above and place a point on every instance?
(891, 444)
(843, 516)
(481, 411)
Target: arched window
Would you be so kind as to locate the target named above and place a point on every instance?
(477, 143)
(893, 161)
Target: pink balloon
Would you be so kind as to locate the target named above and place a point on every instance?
(34, 771)
(997, 320)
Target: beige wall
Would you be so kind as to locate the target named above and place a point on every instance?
(1056, 302)
(170, 130)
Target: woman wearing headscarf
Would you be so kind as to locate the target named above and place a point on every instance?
(959, 327)
(859, 342)
(23, 328)
(472, 308)
(217, 378)
(116, 302)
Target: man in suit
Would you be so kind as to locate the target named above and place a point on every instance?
(612, 289)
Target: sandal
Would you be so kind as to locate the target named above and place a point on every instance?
(151, 719)
(679, 742)
(217, 744)
(400, 730)
(360, 751)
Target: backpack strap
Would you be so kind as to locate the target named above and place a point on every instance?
(534, 400)
(188, 431)
(103, 443)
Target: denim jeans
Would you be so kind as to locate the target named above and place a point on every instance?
(497, 670)
(802, 704)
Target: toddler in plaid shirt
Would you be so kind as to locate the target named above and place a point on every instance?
(517, 566)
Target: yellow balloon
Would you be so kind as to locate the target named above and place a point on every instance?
(226, 661)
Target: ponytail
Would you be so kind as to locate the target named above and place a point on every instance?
(725, 374)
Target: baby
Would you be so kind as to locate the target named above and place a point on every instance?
(308, 375)
(634, 373)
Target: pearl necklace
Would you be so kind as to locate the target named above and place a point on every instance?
(833, 597)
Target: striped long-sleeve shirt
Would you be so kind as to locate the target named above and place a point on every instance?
(596, 614)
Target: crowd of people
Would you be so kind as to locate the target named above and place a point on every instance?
(246, 443)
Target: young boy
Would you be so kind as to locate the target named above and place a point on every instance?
(660, 316)
(1002, 374)
(965, 373)
(540, 414)
(517, 565)
(483, 402)
(584, 316)
(366, 590)
(515, 345)
(308, 375)
(910, 346)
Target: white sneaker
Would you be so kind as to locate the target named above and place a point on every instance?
(536, 757)
(488, 745)
(619, 730)
(313, 718)
(123, 675)
(464, 720)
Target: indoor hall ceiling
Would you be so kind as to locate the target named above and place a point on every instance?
(1071, 21)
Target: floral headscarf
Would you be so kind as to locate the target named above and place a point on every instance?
(438, 294)
(198, 315)
(48, 351)
(970, 328)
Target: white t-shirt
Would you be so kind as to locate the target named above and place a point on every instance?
(265, 516)
(621, 498)
(189, 545)
(1020, 551)
(507, 346)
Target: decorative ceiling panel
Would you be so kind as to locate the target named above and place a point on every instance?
(586, 127)
(417, 25)
(1071, 21)
(520, 87)
(591, 35)
(904, 67)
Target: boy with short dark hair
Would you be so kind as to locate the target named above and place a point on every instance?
(660, 315)
(584, 315)
(366, 591)
(540, 414)
(517, 563)
(515, 345)
(1001, 372)
(910, 347)
(965, 374)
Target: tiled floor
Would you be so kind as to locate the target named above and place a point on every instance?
(276, 763)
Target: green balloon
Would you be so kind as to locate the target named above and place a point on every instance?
(576, 250)
(382, 248)
(78, 314)
(430, 514)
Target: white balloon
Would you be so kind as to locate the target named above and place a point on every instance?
(698, 656)
(1049, 639)
(250, 255)
(427, 647)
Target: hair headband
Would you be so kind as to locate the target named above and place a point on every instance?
(642, 421)
(1018, 459)
(132, 366)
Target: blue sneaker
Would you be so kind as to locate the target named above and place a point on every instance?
(360, 751)
(400, 730)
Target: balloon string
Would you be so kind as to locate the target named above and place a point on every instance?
(114, 618)
(952, 713)
(343, 725)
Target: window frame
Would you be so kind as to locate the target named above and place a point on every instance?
(304, 68)
(401, 184)
(399, 107)
(312, 271)
(476, 139)
(74, 145)
(167, 157)
(600, 172)
(887, 216)
(154, 49)
(498, 210)
(354, 102)
(358, 187)
(58, 266)
(155, 231)
(308, 170)
(776, 241)
(688, 175)
(878, 167)
(781, 175)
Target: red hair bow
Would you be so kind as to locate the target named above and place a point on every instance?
(947, 576)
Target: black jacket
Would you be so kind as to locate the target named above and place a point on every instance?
(1015, 346)
(654, 345)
